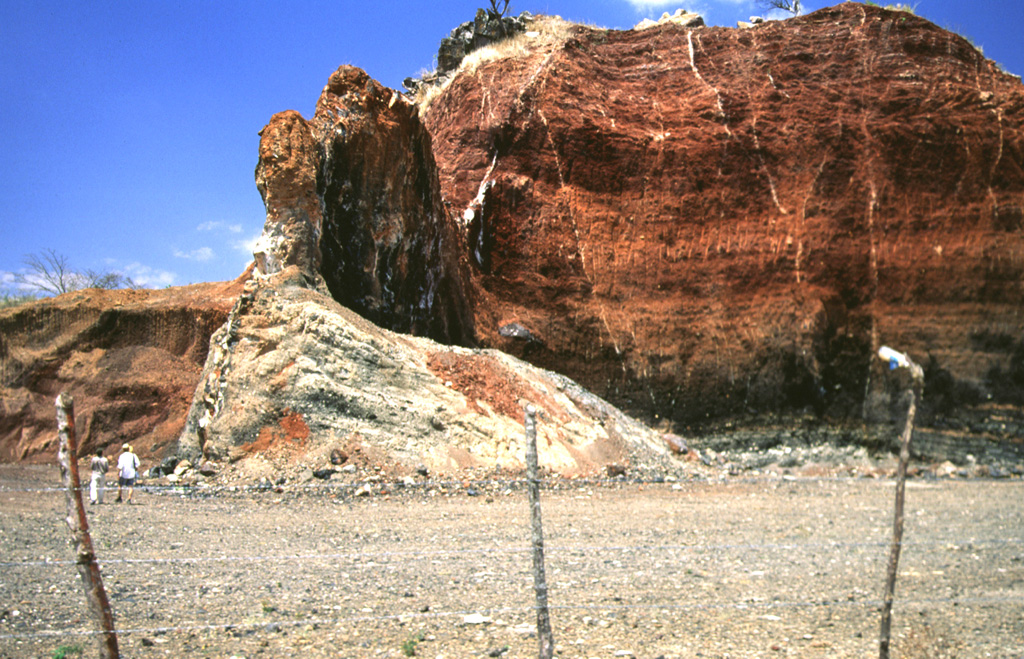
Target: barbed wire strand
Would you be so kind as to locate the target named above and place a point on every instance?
(956, 601)
(555, 549)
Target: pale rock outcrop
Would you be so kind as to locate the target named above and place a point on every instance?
(680, 17)
(294, 371)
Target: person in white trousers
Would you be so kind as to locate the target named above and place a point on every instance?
(98, 483)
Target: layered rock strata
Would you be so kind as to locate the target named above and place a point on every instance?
(711, 223)
(699, 224)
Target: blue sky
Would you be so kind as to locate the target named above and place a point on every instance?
(130, 128)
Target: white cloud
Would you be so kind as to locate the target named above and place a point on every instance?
(201, 254)
(698, 6)
(218, 225)
(148, 277)
(9, 283)
(247, 245)
(245, 248)
(142, 275)
(36, 284)
(646, 5)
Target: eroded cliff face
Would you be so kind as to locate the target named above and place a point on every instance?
(130, 359)
(338, 343)
(353, 199)
(700, 225)
(705, 223)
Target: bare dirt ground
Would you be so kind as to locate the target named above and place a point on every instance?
(743, 568)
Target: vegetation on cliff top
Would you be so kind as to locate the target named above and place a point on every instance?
(49, 272)
(544, 31)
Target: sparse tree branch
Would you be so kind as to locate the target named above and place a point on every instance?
(50, 272)
(498, 13)
(108, 280)
(792, 6)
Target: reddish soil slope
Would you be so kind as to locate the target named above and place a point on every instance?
(131, 359)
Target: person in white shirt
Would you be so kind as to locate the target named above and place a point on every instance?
(98, 483)
(127, 469)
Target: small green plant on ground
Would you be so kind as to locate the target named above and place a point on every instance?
(409, 645)
(66, 650)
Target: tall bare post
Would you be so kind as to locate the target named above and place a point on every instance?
(898, 360)
(540, 584)
(78, 523)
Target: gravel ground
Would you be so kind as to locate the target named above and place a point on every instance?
(743, 568)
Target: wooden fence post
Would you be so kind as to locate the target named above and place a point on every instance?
(540, 585)
(78, 523)
(917, 383)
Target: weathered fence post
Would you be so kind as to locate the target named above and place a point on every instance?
(78, 523)
(540, 584)
(897, 360)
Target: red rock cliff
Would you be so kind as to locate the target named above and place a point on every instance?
(702, 222)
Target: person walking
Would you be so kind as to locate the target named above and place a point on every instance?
(127, 469)
(98, 483)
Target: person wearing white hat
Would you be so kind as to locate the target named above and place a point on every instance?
(127, 469)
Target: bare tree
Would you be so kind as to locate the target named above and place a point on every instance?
(498, 13)
(49, 271)
(792, 6)
(108, 280)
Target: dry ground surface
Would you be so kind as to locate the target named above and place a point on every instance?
(742, 568)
